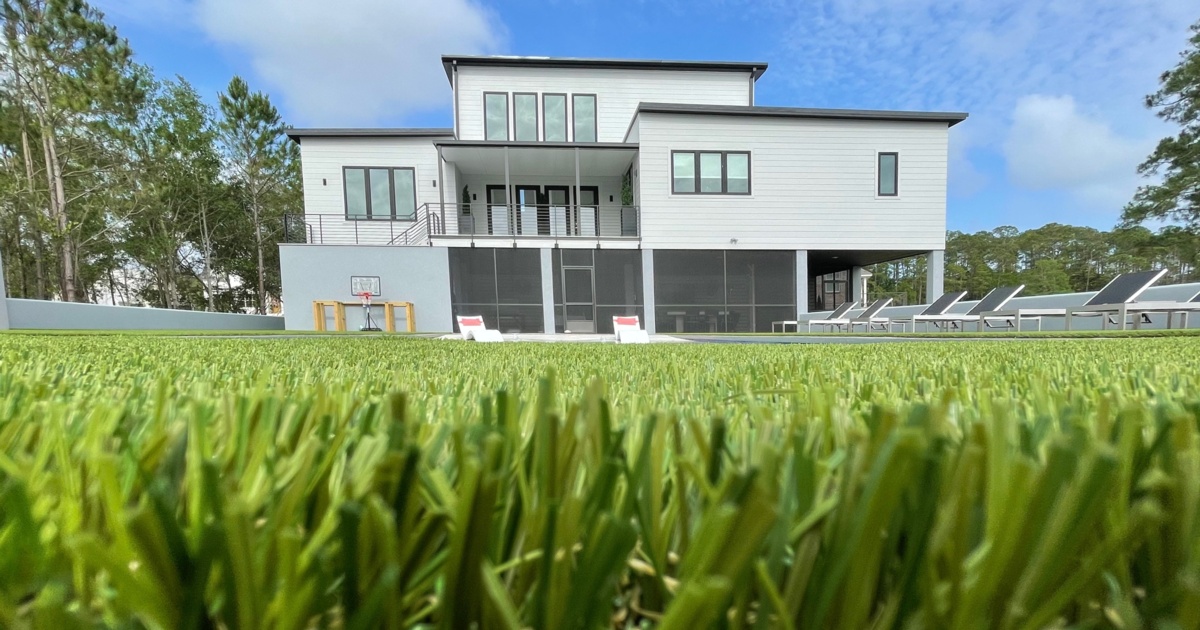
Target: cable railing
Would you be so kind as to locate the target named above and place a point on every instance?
(470, 220)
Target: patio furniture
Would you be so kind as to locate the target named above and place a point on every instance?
(938, 307)
(868, 317)
(472, 328)
(836, 318)
(994, 300)
(628, 329)
(1114, 298)
(1120, 314)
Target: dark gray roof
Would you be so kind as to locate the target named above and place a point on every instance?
(950, 118)
(296, 134)
(756, 68)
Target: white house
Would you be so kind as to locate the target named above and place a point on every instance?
(571, 190)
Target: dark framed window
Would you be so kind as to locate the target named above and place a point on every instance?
(888, 174)
(377, 192)
(583, 113)
(495, 115)
(554, 117)
(525, 117)
(710, 172)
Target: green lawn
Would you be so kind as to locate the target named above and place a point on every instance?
(394, 482)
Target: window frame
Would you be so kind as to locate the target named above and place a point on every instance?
(595, 118)
(370, 216)
(566, 116)
(536, 116)
(507, 116)
(724, 172)
(879, 174)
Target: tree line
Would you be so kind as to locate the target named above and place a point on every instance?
(117, 186)
(1054, 258)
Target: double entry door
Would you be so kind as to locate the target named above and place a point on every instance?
(543, 211)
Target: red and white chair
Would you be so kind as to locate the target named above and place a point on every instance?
(629, 329)
(472, 328)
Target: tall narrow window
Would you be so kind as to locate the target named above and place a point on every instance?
(583, 107)
(380, 193)
(889, 170)
(710, 172)
(737, 173)
(495, 112)
(683, 172)
(356, 193)
(525, 117)
(404, 192)
(554, 113)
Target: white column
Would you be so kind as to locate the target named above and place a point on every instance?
(648, 289)
(801, 281)
(935, 275)
(856, 286)
(548, 280)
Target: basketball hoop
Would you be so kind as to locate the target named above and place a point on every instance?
(368, 323)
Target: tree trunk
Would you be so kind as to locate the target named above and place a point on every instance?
(262, 272)
(206, 246)
(59, 214)
(35, 229)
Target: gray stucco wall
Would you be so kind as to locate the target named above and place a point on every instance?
(420, 275)
(42, 314)
(1165, 293)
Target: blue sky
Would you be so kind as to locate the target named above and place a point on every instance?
(1054, 87)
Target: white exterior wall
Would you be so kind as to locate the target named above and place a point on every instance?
(322, 160)
(618, 93)
(812, 185)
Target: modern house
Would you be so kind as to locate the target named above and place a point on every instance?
(572, 190)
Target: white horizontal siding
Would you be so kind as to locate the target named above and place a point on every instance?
(812, 184)
(618, 93)
(322, 161)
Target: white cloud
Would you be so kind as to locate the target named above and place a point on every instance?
(352, 61)
(1054, 145)
(983, 57)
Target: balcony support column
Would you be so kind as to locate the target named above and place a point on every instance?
(578, 211)
(441, 194)
(508, 195)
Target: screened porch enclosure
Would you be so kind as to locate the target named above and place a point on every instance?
(698, 291)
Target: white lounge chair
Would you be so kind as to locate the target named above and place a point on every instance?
(1114, 298)
(939, 307)
(836, 319)
(995, 300)
(868, 318)
(472, 328)
(628, 329)
(1138, 313)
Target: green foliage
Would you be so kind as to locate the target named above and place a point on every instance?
(395, 482)
(1176, 194)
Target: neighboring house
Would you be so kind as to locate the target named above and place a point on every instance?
(602, 187)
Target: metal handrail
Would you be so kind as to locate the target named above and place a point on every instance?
(558, 221)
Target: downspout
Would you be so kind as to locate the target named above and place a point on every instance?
(454, 88)
(441, 193)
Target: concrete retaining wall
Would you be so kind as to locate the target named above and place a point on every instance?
(420, 275)
(42, 314)
(1166, 293)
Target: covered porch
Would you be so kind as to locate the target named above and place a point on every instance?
(538, 194)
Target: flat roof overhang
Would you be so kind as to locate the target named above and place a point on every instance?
(950, 118)
(539, 158)
(823, 261)
(754, 68)
(363, 132)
